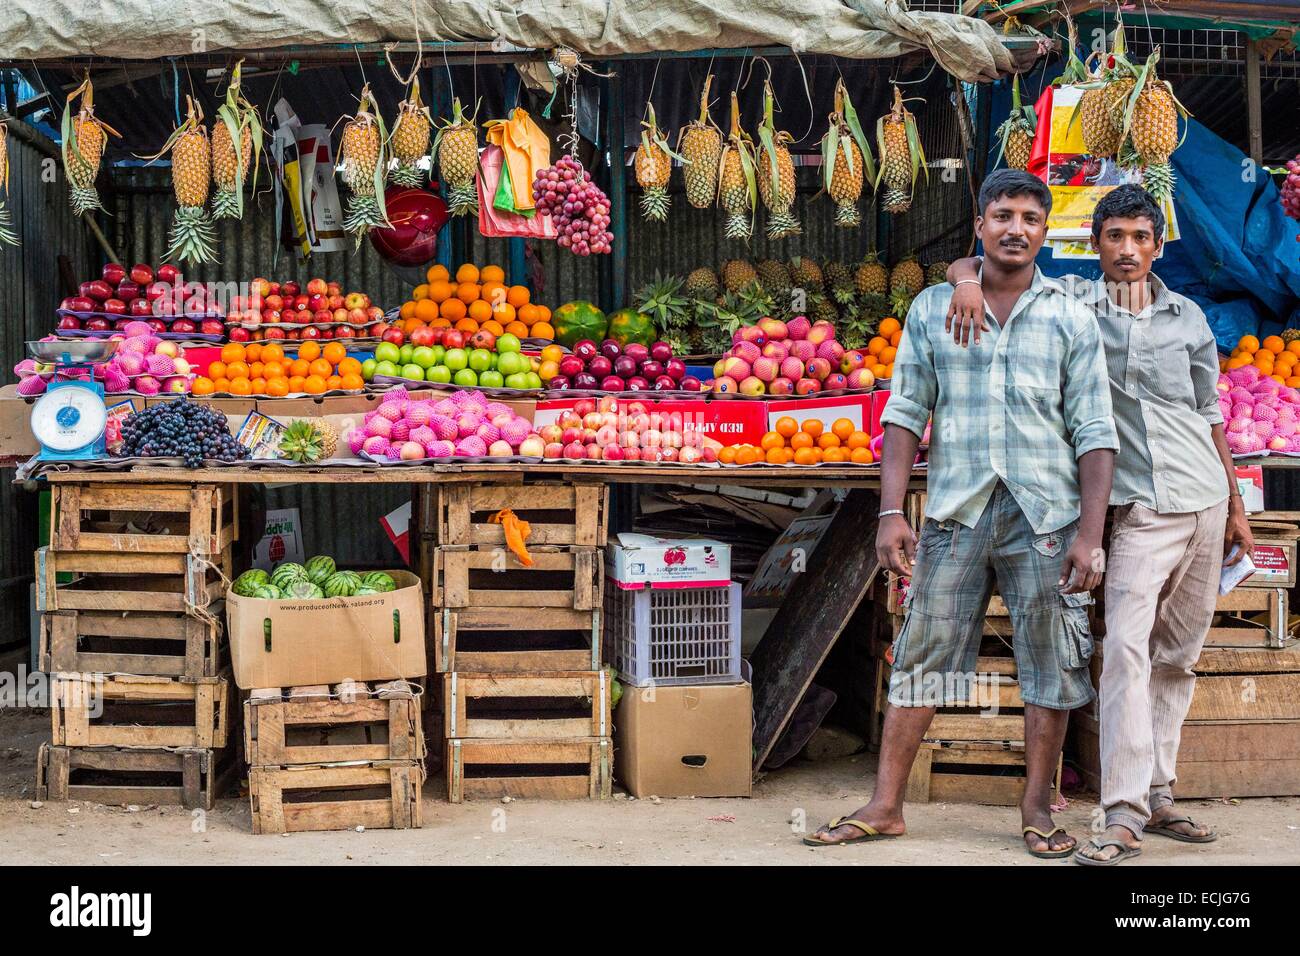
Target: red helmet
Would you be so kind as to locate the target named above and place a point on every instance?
(416, 215)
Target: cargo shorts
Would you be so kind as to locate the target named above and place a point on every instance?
(937, 650)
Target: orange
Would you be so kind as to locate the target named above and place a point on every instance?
(452, 310)
(300, 368)
(515, 328)
(842, 428)
(493, 326)
(895, 339)
(828, 440)
(467, 325)
(493, 292)
(1248, 343)
(441, 291)
(776, 456)
(352, 381)
(322, 367)
(552, 353)
(857, 440)
(314, 385)
(800, 439)
(467, 273)
(297, 383)
(817, 454)
(888, 354)
(504, 313)
(467, 292)
(544, 313)
(232, 352)
(1293, 381)
(309, 350)
(880, 371)
(256, 370)
(1275, 344)
(202, 386)
(541, 330)
(528, 314)
(1279, 379)
(876, 344)
(217, 370)
(771, 440)
(1263, 360)
(277, 387)
(420, 292)
(727, 455)
(889, 370)
(334, 352)
(272, 353)
(334, 381)
(259, 386)
(437, 273)
(237, 370)
(480, 311)
(803, 456)
(253, 352)
(890, 325)
(812, 426)
(548, 371)
(491, 273)
(221, 385)
(241, 386)
(349, 366)
(1237, 361)
(861, 456)
(426, 310)
(518, 295)
(786, 426)
(1294, 347)
(440, 324)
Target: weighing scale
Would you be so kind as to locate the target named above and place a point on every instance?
(69, 419)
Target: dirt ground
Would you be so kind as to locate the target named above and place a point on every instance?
(764, 829)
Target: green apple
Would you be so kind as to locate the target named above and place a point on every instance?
(491, 379)
(368, 369)
(511, 363)
(518, 380)
(456, 359)
(423, 356)
(405, 353)
(533, 379)
(387, 367)
(466, 378)
(438, 373)
(508, 343)
(413, 371)
(387, 352)
(480, 360)
(438, 353)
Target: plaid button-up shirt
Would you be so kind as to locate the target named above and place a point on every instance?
(1164, 370)
(1019, 407)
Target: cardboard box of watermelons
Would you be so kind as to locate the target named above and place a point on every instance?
(295, 641)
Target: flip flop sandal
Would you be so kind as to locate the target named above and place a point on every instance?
(1126, 851)
(1047, 854)
(869, 833)
(1165, 830)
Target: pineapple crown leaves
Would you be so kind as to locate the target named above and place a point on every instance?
(1022, 118)
(653, 135)
(1075, 70)
(71, 145)
(899, 114)
(193, 123)
(238, 114)
(770, 137)
(659, 300)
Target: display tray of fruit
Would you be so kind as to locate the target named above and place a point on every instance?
(465, 426)
(144, 364)
(180, 432)
(1258, 397)
(778, 359)
(319, 305)
(316, 580)
(491, 362)
(807, 444)
(470, 300)
(609, 429)
(173, 308)
(264, 370)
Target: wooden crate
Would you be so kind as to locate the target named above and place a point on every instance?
(1234, 613)
(149, 712)
(560, 513)
(117, 777)
(559, 578)
(501, 640)
(377, 795)
(163, 644)
(534, 769)
(526, 706)
(971, 772)
(316, 725)
(129, 581)
(192, 519)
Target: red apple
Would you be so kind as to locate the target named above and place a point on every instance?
(311, 332)
(273, 301)
(141, 273)
(374, 312)
(128, 290)
(377, 330)
(336, 302)
(327, 333)
(396, 336)
(168, 273)
(113, 273)
(115, 307)
(120, 325)
(316, 303)
(270, 316)
(356, 316)
(334, 288)
(68, 323)
(80, 303)
(345, 332)
(274, 332)
(259, 286)
(423, 336)
(156, 290)
(294, 334)
(355, 300)
(139, 307)
(212, 327)
(158, 325)
(237, 333)
(96, 289)
(302, 303)
(98, 324)
(317, 287)
(290, 288)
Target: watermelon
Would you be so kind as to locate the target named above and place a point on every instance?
(286, 574)
(304, 591)
(319, 569)
(267, 592)
(250, 581)
(575, 321)
(342, 584)
(378, 582)
(365, 590)
(628, 325)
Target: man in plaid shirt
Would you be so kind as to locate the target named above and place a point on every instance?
(1021, 454)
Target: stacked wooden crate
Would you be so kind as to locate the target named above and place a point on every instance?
(130, 592)
(525, 703)
(334, 758)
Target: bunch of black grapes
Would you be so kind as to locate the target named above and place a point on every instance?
(180, 429)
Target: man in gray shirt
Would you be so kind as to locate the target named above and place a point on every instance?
(1177, 515)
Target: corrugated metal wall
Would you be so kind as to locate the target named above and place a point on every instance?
(30, 290)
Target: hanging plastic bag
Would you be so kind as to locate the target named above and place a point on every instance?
(495, 223)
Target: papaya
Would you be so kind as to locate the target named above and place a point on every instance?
(575, 321)
(628, 325)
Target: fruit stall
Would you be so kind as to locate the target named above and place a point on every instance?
(417, 444)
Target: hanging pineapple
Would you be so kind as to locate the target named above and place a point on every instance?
(84, 138)
(846, 160)
(901, 156)
(700, 144)
(362, 164)
(7, 236)
(191, 238)
(737, 193)
(774, 168)
(1017, 131)
(236, 141)
(456, 146)
(410, 139)
(653, 166)
(1100, 109)
(1151, 123)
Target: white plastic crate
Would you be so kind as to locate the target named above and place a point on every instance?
(673, 635)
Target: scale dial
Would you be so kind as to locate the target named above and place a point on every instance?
(67, 418)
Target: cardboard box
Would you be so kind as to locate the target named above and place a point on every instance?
(644, 561)
(16, 438)
(691, 740)
(1250, 483)
(288, 643)
(785, 560)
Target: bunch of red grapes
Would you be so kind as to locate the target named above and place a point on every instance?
(1291, 189)
(577, 206)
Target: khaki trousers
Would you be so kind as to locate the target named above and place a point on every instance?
(1162, 582)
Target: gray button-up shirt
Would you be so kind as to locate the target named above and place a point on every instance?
(1164, 369)
(1018, 407)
